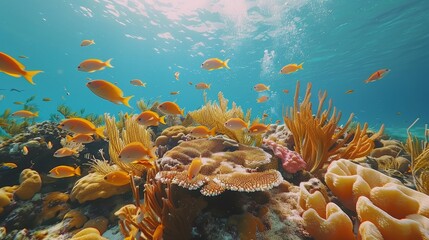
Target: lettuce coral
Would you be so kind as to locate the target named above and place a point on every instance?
(30, 184)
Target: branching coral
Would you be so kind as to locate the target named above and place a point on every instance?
(227, 165)
(318, 138)
(214, 115)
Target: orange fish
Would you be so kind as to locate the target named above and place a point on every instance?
(349, 91)
(214, 63)
(117, 178)
(80, 138)
(258, 128)
(260, 87)
(262, 99)
(202, 85)
(108, 91)
(176, 75)
(12, 67)
(65, 152)
(202, 132)
(49, 145)
(24, 150)
(135, 151)
(138, 82)
(150, 118)
(377, 75)
(194, 168)
(25, 114)
(18, 103)
(170, 108)
(63, 171)
(174, 93)
(81, 125)
(157, 235)
(235, 124)
(92, 65)
(85, 43)
(286, 91)
(290, 68)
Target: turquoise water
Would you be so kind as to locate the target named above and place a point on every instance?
(340, 42)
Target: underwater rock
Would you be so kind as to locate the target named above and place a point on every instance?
(22, 216)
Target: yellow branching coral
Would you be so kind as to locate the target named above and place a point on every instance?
(318, 138)
(214, 115)
(133, 132)
(226, 166)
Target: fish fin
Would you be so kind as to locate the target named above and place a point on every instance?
(209, 86)
(36, 114)
(366, 81)
(100, 132)
(268, 88)
(300, 65)
(144, 85)
(28, 75)
(182, 112)
(162, 119)
(126, 100)
(11, 74)
(213, 131)
(77, 171)
(225, 63)
(68, 138)
(108, 64)
(92, 41)
(211, 69)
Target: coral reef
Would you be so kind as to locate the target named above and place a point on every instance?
(292, 162)
(89, 233)
(30, 184)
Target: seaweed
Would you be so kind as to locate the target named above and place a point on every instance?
(151, 105)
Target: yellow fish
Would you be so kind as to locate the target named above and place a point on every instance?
(260, 87)
(214, 63)
(25, 114)
(202, 85)
(65, 152)
(46, 99)
(258, 128)
(262, 99)
(235, 124)
(150, 118)
(349, 91)
(194, 168)
(176, 75)
(170, 108)
(80, 125)
(135, 151)
(12, 67)
(63, 171)
(138, 82)
(290, 68)
(174, 93)
(92, 65)
(85, 43)
(202, 131)
(24, 150)
(18, 103)
(80, 138)
(108, 91)
(117, 178)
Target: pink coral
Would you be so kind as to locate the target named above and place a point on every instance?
(292, 162)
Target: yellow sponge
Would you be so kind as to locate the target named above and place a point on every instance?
(30, 184)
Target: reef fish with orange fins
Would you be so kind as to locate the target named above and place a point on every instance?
(108, 91)
(202, 132)
(290, 68)
(65, 152)
(135, 151)
(92, 65)
(150, 118)
(194, 168)
(80, 138)
(377, 75)
(63, 171)
(171, 108)
(85, 43)
(235, 124)
(12, 67)
(81, 125)
(258, 128)
(117, 178)
(215, 63)
(25, 114)
(7, 166)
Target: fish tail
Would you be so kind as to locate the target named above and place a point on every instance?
(268, 88)
(213, 131)
(162, 119)
(126, 100)
(182, 112)
(366, 81)
(209, 86)
(28, 75)
(108, 64)
(100, 132)
(144, 85)
(69, 138)
(300, 65)
(225, 63)
(77, 171)
(36, 114)
(92, 41)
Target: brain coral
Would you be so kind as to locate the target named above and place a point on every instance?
(30, 184)
(227, 165)
(93, 186)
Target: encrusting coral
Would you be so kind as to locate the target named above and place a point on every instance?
(30, 184)
(227, 165)
(318, 137)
